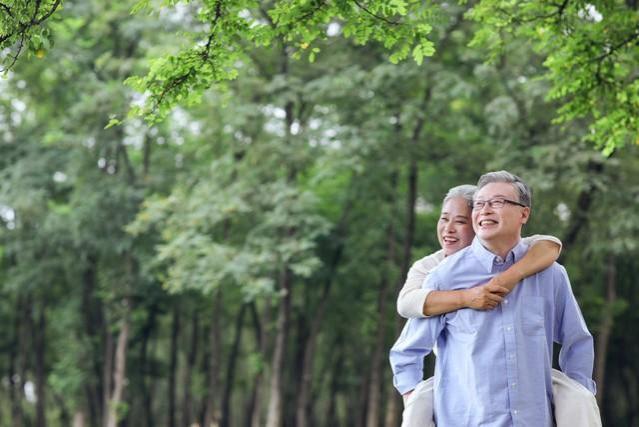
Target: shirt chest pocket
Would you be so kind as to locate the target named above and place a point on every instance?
(532, 315)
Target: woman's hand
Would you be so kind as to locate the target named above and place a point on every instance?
(484, 297)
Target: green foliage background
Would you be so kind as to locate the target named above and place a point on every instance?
(240, 186)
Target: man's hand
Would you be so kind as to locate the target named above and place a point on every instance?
(484, 297)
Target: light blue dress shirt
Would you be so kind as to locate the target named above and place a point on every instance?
(493, 367)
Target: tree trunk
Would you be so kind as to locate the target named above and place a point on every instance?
(254, 407)
(40, 350)
(119, 374)
(230, 370)
(274, 414)
(605, 329)
(374, 392)
(187, 407)
(373, 413)
(211, 414)
(584, 202)
(78, 419)
(96, 332)
(107, 376)
(175, 331)
(145, 369)
(15, 381)
(303, 403)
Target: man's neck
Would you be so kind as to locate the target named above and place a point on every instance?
(501, 247)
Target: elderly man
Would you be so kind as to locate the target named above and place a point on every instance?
(493, 367)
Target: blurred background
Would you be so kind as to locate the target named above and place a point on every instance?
(237, 263)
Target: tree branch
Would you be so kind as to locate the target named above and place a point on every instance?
(381, 18)
(7, 9)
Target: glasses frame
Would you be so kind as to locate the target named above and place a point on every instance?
(491, 203)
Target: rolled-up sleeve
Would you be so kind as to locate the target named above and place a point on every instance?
(407, 355)
(410, 302)
(577, 354)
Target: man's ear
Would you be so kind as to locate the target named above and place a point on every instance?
(525, 214)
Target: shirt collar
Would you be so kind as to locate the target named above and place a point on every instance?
(487, 258)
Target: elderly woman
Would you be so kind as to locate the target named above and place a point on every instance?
(573, 403)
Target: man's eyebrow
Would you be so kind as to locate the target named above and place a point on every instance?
(494, 196)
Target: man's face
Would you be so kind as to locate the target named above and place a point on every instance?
(493, 224)
(454, 228)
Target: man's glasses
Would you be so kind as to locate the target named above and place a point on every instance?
(497, 203)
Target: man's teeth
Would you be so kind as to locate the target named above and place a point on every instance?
(450, 240)
(487, 222)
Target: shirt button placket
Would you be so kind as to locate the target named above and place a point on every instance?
(511, 358)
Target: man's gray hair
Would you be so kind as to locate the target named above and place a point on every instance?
(524, 191)
(465, 191)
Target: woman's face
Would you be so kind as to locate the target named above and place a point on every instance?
(454, 228)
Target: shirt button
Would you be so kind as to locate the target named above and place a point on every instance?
(505, 301)
(513, 385)
(515, 412)
(509, 328)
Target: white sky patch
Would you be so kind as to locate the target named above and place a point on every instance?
(59, 177)
(563, 212)
(239, 136)
(522, 79)
(330, 133)
(590, 13)
(7, 214)
(314, 124)
(195, 127)
(333, 29)
(246, 15)
(29, 392)
(295, 127)
(89, 142)
(16, 118)
(102, 162)
(176, 14)
(18, 105)
(139, 99)
(423, 207)
(273, 111)
(274, 127)
(134, 133)
(21, 84)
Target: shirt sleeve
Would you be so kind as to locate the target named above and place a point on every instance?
(577, 354)
(531, 240)
(410, 302)
(407, 355)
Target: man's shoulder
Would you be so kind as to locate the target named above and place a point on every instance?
(555, 271)
(453, 262)
(554, 276)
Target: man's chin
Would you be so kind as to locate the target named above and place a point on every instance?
(486, 236)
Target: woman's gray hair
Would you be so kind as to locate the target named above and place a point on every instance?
(524, 191)
(465, 191)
